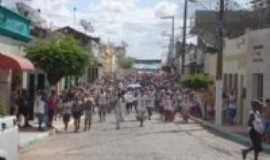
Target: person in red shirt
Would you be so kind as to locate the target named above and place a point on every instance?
(52, 106)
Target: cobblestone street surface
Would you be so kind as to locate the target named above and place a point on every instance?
(156, 141)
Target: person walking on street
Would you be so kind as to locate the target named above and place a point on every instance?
(150, 103)
(186, 105)
(129, 101)
(88, 112)
(67, 111)
(52, 106)
(102, 102)
(135, 101)
(266, 116)
(77, 113)
(118, 110)
(231, 107)
(256, 129)
(141, 107)
(40, 109)
(207, 104)
(24, 107)
(168, 108)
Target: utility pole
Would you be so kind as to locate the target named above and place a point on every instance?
(172, 40)
(184, 37)
(219, 82)
(74, 15)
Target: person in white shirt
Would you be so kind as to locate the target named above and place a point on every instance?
(141, 108)
(39, 109)
(102, 103)
(129, 99)
(118, 110)
(67, 111)
(150, 103)
(168, 108)
(186, 105)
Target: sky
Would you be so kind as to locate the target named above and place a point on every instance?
(137, 22)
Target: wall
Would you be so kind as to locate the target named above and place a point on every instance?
(258, 62)
(10, 46)
(234, 71)
(210, 64)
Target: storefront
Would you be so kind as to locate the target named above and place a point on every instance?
(14, 68)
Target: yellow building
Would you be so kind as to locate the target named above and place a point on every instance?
(109, 56)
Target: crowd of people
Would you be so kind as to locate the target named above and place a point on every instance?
(107, 96)
(142, 98)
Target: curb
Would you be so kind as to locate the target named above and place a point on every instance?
(225, 133)
(36, 138)
(33, 139)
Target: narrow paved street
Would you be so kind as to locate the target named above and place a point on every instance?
(156, 141)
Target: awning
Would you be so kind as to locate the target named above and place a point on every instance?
(15, 62)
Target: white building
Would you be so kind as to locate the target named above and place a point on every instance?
(13, 66)
(246, 69)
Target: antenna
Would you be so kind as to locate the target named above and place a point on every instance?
(74, 15)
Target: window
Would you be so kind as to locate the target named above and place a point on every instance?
(258, 86)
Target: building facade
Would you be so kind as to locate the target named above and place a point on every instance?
(109, 56)
(258, 75)
(246, 70)
(14, 68)
(88, 42)
(235, 72)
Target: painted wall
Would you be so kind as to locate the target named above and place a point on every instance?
(10, 46)
(258, 62)
(235, 63)
(210, 64)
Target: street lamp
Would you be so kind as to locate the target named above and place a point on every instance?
(172, 41)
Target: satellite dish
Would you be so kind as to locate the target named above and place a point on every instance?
(87, 25)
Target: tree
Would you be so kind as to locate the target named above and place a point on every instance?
(59, 56)
(126, 62)
(196, 81)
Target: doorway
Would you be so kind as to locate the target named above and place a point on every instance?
(257, 83)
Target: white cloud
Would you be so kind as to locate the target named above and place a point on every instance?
(117, 20)
(165, 8)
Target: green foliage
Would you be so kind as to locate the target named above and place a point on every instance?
(196, 81)
(166, 68)
(3, 109)
(59, 56)
(125, 62)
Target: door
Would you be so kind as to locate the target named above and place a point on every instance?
(257, 92)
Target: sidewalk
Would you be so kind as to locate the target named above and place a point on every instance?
(236, 134)
(30, 136)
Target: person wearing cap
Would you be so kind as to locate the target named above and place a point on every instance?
(256, 130)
